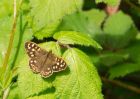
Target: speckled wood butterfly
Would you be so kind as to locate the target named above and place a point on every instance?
(42, 61)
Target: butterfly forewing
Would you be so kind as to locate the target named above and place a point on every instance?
(42, 61)
(36, 54)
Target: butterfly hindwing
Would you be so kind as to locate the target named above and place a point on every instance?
(59, 65)
(33, 63)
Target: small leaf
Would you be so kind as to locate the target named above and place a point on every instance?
(109, 59)
(31, 83)
(46, 96)
(123, 69)
(80, 80)
(133, 51)
(119, 36)
(71, 37)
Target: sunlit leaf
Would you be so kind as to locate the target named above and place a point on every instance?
(81, 79)
(71, 37)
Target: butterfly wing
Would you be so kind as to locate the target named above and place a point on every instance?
(54, 64)
(36, 55)
(33, 50)
(59, 65)
(46, 70)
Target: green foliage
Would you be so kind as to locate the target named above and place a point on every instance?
(109, 2)
(118, 36)
(5, 8)
(122, 70)
(82, 79)
(110, 59)
(47, 14)
(69, 37)
(15, 92)
(133, 51)
(48, 96)
(84, 22)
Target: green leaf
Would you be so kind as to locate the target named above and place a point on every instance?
(71, 37)
(133, 51)
(84, 22)
(6, 8)
(47, 14)
(123, 69)
(14, 92)
(119, 36)
(47, 96)
(109, 2)
(47, 31)
(81, 79)
(109, 58)
(30, 83)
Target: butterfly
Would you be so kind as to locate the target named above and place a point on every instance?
(43, 62)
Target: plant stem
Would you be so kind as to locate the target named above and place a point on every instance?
(11, 38)
(6, 93)
(121, 84)
(6, 58)
(7, 55)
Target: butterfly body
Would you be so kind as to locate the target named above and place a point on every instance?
(42, 61)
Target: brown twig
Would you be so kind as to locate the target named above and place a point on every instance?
(63, 45)
(121, 84)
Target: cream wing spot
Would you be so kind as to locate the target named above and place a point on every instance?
(48, 68)
(38, 49)
(33, 49)
(57, 63)
(32, 55)
(31, 61)
(61, 65)
(61, 61)
(31, 52)
(33, 45)
(29, 47)
(35, 61)
(64, 63)
(53, 67)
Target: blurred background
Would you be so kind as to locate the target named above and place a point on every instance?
(115, 25)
